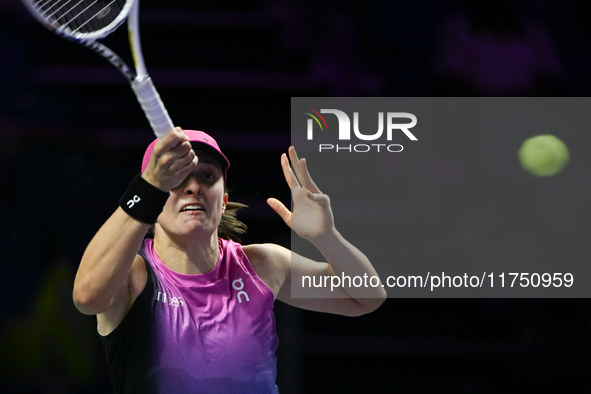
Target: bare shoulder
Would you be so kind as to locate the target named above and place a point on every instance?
(271, 262)
(122, 302)
(265, 253)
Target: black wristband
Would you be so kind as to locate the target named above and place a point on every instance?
(143, 201)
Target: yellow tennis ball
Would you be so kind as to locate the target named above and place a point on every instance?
(543, 155)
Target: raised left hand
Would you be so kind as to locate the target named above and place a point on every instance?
(312, 216)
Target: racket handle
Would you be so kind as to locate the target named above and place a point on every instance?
(153, 107)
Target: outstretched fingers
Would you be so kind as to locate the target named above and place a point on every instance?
(280, 209)
(301, 170)
(290, 177)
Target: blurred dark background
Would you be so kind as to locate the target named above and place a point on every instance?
(73, 136)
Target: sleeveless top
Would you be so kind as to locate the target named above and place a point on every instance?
(207, 333)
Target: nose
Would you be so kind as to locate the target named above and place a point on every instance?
(191, 186)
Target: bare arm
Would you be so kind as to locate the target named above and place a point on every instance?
(103, 274)
(279, 268)
(312, 220)
(110, 272)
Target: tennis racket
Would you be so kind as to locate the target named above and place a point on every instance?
(85, 21)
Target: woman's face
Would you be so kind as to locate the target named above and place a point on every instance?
(197, 204)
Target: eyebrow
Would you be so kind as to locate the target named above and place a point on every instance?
(212, 162)
(206, 158)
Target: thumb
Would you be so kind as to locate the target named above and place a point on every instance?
(280, 209)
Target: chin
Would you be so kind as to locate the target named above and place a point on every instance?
(193, 231)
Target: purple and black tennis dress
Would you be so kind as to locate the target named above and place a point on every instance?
(211, 333)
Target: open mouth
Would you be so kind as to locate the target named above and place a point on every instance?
(192, 207)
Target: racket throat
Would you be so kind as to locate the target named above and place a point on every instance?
(112, 57)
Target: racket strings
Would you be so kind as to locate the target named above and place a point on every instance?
(45, 7)
(79, 16)
(57, 10)
(94, 16)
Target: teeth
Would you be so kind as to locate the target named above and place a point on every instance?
(192, 208)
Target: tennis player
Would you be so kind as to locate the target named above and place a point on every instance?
(190, 310)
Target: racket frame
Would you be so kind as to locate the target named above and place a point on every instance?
(139, 79)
